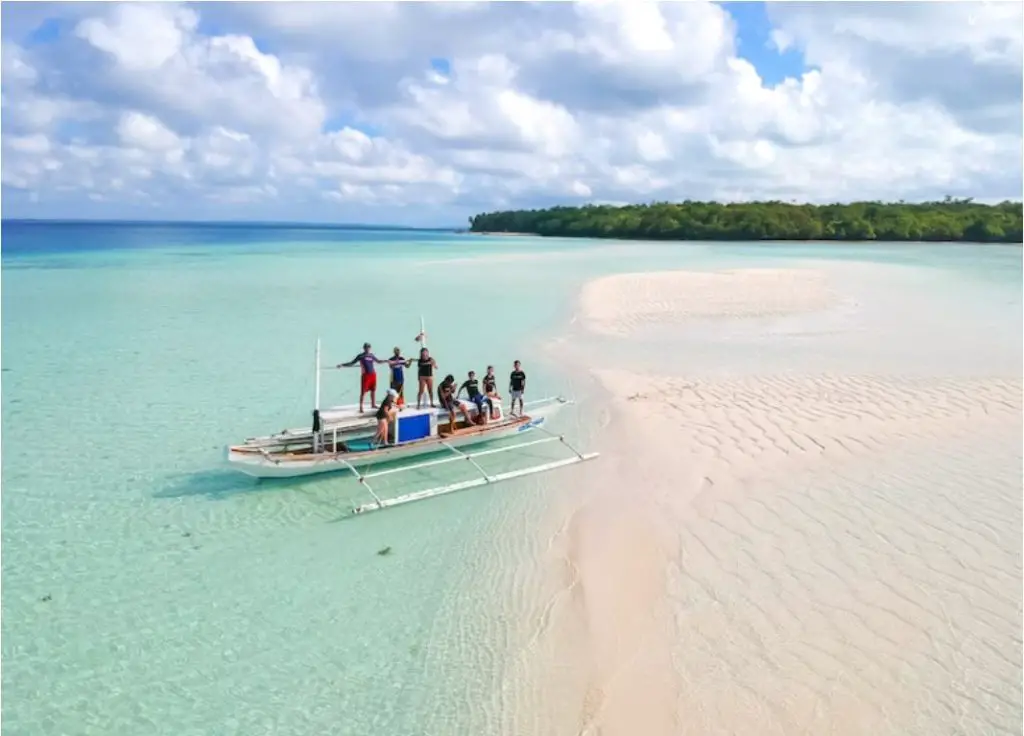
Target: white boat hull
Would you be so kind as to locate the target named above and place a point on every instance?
(346, 418)
(252, 459)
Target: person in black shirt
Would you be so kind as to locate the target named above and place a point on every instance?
(447, 395)
(385, 415)
(472, 388)
(516, 387)
(491, 387)
(425, 371)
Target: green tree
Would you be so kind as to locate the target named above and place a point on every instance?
(949, 220)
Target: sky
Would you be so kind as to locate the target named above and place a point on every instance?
(426, 113)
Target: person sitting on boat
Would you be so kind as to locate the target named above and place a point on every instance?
(385, 415)
(367, 362)
(473, 393)
(425, 373)
(449, 400)
(491, 388)
(398, 365)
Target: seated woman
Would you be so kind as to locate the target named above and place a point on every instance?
(385, 415)
(447, 396)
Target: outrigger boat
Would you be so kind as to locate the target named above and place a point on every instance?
(341, 439)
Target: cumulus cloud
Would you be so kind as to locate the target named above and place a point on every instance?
(429, 112)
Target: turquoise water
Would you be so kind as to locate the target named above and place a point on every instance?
(147, 590)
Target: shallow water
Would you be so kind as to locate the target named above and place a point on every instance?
(147, 590)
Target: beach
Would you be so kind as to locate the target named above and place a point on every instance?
(798, 550)
(805, 516)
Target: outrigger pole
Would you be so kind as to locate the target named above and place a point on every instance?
(485, 479)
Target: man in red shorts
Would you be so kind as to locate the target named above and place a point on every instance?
(367, 361)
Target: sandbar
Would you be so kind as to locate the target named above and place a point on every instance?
(618, 304)
(761, 554)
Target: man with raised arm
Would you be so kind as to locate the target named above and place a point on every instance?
(367, 363)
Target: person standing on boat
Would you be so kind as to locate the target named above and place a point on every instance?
(385, 415)
(473, 393)
(398, 365)
(425, 372)
(516, 388)
(367, 362)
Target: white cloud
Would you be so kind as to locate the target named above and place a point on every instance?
(541, 126)
(651, 147)
(31, 144)
(139, 130)
(334, 110)
(154, 56)
(141, 37)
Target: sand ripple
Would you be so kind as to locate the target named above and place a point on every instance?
(794, 552)
(825, 571)
(742, 426)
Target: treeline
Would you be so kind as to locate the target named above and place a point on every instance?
(950, 220)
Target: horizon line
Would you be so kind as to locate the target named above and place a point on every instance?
(278, 223)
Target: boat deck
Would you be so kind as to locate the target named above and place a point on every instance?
(462, 428)
(445, 431)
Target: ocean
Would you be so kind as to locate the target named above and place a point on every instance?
(148, 590)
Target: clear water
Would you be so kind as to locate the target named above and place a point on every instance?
(147, 590)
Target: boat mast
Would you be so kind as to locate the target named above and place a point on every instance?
(316, 375)
(423, 333)
(317, 432)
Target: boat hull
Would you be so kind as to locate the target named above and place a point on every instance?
(347, 419)
(256, 462)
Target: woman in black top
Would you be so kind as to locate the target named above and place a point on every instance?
(385, 415)
(425, 371)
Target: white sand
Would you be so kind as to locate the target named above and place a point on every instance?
(618, 304)
(784, 554)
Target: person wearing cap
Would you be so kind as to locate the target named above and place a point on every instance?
(367, 363)
(385, 415)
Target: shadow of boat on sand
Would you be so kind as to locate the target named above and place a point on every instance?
(220, 485)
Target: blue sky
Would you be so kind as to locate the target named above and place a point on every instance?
(754, 43)
(423, 114)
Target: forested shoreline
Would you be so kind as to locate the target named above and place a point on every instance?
(951, 220)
